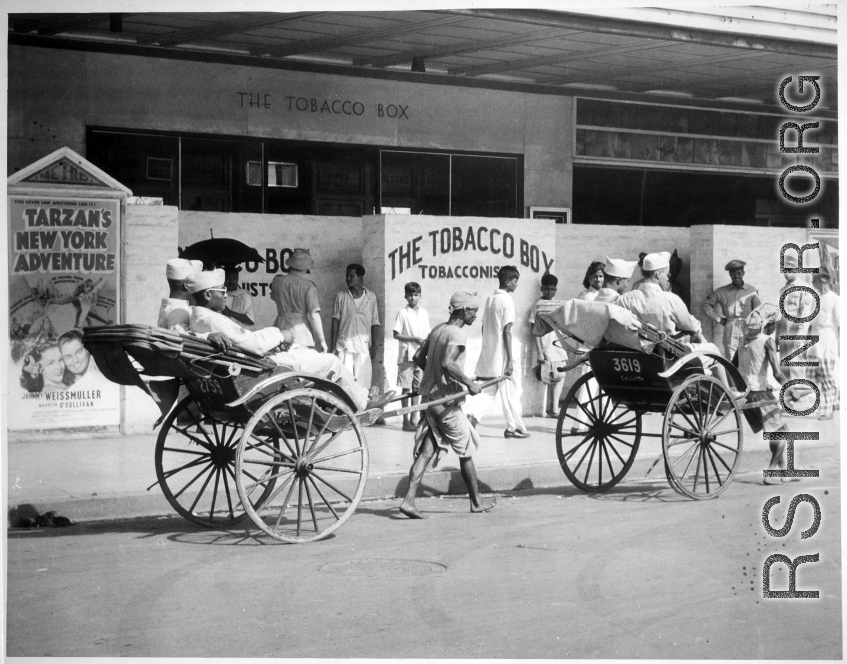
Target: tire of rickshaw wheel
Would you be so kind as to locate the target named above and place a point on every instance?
(195, 466)
(319, 464)
(696, 422)
(608, 428)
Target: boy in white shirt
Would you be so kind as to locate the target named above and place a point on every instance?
(545, 349)
(411, 329)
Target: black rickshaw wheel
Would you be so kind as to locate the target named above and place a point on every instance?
(597, 445)
(312, 444)
(702, 438)
(195, 466)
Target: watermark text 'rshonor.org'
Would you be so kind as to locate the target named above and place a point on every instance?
(789, 361)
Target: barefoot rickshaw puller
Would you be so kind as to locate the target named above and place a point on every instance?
(446, 426)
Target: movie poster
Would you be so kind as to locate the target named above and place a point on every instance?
(63, 276)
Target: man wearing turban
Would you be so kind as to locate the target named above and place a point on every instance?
(175, 310)
(446, 426)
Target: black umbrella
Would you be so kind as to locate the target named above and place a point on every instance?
(221, 250)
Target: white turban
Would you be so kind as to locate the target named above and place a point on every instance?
(656, 261)
(204, 280)
(180, 268)
(759, 318)
(617, 267)
(464, 299)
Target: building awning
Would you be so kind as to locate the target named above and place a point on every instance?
(726, 54)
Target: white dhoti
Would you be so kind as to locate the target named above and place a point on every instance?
(508, 394)
(325, 365)
(358, 364)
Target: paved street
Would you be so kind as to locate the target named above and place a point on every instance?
(637, 572)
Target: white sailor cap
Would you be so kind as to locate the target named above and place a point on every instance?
(180, 268)
(656, 261)
(617, 267)
(205, 280)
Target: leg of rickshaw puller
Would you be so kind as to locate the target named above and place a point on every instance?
(427, 451)
(416, 473)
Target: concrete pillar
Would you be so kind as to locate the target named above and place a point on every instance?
(150, 238)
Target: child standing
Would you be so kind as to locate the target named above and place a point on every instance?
(546, 350)
(411, 329)
(755, 354)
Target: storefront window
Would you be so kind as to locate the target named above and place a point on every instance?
(483, 186)
(450, 184)
(148, 165)
(215, 175)
(291, 177)
(417, 181)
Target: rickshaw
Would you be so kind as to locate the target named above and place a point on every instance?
(242, 437)
(240, 434)
(637, 369)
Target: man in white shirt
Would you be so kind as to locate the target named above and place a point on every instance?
(210, 296)
(616, 275)
(176, 307)
(495, 357)
(665, 311)
(175, 310)
(653, 304)
(354, 325)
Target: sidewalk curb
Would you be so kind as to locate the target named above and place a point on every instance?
(387, 485)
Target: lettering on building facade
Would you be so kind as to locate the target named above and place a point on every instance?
(320, 106)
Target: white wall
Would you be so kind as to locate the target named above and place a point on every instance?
(386, 234)
(334, 242)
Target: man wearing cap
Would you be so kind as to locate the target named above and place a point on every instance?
(210, 297)
(297, 305)
(175, 310)
(616, 275)
(655, 305)
(445, 426)
(730, 305)
(176, 307)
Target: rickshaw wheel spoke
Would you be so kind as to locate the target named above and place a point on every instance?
(709, 395)
(323, 498)
(601, 429)
(720, 458)
(329, 451)
(714, 465)
(189, 433)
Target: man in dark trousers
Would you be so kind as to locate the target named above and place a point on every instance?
(446, 426)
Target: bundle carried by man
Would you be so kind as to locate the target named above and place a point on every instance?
(589, 323)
